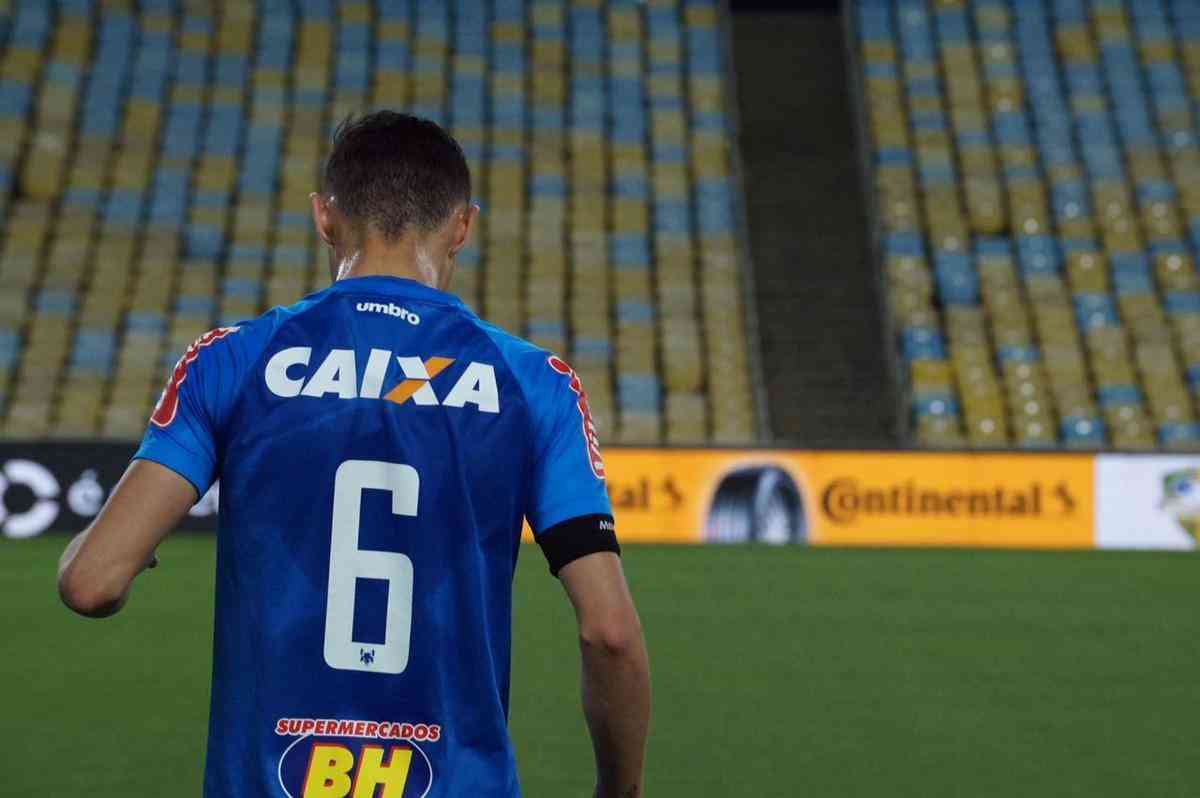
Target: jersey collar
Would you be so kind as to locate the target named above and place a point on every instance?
(394, 286)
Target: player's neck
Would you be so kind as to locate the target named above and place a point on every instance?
(411, 258)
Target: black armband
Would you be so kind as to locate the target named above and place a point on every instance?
(578, 537)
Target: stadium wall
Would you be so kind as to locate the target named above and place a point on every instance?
(774, 496)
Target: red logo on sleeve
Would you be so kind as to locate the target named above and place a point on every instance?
(590, 439)
(168, 403)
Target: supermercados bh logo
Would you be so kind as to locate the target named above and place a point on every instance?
(356, 758)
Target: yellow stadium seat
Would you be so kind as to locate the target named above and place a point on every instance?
(1176, 272)
(686, 418)
(939, 432)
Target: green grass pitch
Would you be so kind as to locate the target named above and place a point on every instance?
(777, 672)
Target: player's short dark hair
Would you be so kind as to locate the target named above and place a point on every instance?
(395, 172)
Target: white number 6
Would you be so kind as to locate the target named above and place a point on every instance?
(348, 563)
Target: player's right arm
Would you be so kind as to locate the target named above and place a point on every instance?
(571, 517)
(175, 465)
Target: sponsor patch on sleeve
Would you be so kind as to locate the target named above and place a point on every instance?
(168, 402)
(590, 439)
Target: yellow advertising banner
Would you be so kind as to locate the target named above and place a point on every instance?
(852, 498)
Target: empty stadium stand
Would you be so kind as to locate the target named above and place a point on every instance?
(1037, 176)
(156, 158)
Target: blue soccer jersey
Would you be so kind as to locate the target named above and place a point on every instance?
(378, 447)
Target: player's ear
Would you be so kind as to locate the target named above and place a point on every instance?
(464, 224)
(322, 217)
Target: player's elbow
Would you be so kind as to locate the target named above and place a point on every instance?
(616, 635)
(89, 597)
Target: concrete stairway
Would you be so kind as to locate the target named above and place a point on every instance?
(828, 381)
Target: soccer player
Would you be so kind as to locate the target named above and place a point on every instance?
(378, 447)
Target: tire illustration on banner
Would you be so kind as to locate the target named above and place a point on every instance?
(756, 504)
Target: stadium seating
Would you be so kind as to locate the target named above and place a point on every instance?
(1035, 168)
(156, 159)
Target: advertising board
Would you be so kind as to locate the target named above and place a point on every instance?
(773, 496)
(852, 498)
(1147, 502)
(60, 486)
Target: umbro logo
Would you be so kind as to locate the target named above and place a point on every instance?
(389, 309)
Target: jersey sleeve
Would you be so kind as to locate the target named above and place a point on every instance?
(185, 425)
(568, 508)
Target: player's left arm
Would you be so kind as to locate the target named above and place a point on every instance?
(571, 516)
(99, 565)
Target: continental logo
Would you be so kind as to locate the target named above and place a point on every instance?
(846, 500)
(342, 376)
